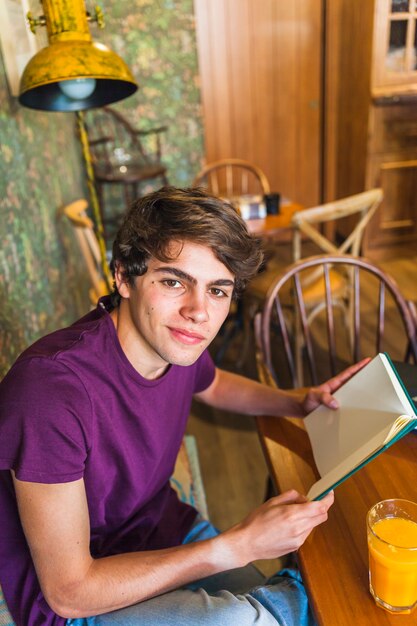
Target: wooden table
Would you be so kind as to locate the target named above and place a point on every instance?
(334, 559)
(273, 226)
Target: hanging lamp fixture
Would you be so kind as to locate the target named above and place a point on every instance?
(72, 73)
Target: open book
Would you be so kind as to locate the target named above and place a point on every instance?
(374, 411)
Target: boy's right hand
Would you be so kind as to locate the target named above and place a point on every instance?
(279, 526)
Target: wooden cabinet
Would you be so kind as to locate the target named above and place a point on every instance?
(392, 165)
(395, 44)
(371, 122)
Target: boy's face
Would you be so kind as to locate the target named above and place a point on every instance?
(174, 310)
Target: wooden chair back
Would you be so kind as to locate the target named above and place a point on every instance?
(382, 319)
(308, 239)
(122, 154)
(76, 212)
(307, 224)
(115, 142)
(230, 178)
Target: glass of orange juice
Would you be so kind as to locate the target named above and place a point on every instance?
(392, 544)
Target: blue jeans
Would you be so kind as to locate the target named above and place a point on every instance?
(240, 596)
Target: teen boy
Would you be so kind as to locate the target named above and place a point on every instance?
(92, 417)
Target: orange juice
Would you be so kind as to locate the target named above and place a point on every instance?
(393, 562)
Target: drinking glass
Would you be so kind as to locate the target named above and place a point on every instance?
(392, 546)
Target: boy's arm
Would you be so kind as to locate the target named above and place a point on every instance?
(232, 392)
(55, 520)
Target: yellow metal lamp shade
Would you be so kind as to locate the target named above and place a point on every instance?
(43, 81)
(72, 73)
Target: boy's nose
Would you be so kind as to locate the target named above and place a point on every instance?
(195, 307)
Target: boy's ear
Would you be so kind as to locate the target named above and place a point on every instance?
(120, 280)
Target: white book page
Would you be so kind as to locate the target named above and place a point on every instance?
(369, 403)
(357, 457)
(408, 408)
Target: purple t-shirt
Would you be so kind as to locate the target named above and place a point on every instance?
(73, 406)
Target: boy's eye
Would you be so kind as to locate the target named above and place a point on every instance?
(172, 282)
(219, 293)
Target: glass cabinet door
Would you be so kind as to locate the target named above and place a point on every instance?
(395, 43)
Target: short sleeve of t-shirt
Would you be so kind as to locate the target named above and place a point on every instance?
(45, 422)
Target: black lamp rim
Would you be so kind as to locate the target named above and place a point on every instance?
(50, 98)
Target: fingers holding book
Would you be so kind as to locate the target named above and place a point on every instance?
(280, 525)
(323, 394)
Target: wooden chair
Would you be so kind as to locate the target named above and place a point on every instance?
(354, 213)
(378, 308)
(307, 227)
(229, 178)
(87, 240)
(119, 155)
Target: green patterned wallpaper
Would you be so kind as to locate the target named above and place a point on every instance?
(39, 172)
(157, 40)
(42, 281)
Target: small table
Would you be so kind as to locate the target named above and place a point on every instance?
(273, 226)
(334, 559)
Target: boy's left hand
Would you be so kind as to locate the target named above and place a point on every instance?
(323, 394)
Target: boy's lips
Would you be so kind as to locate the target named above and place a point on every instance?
(186, 336)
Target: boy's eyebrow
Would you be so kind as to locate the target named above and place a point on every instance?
(221, 282)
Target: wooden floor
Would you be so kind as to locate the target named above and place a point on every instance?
(233, 468)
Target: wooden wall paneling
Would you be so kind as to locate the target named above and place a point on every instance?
(273, 92)
(260, 73)
(309, 38)
(349, 28)
(332, 37)
(284, 145)
(243, 62)
(298, 82)
(260, 53)
(215, 76)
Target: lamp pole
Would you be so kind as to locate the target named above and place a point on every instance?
(95, 205)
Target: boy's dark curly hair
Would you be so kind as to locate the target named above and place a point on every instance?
(172, 214)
